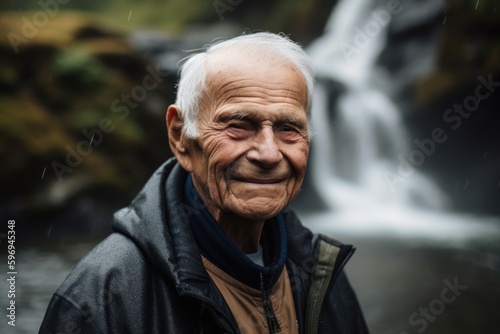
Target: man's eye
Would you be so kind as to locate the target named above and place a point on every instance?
(239, 126)
(286, 128)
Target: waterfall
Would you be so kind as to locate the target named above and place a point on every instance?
(357, 126)
(359, 161)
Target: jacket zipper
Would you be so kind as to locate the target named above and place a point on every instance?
(272, 322)
(330, 285)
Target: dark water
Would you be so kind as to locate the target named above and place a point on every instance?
(404, 286)
(41, 268)
(394, 278)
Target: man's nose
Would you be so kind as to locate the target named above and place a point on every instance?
(265, 150)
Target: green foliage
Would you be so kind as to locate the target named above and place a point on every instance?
(85, 119)
(170, 15)
(81, 69)
(9, 78)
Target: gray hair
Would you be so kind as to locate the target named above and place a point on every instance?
(192, 82)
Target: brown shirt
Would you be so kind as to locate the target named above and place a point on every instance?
(246, 303)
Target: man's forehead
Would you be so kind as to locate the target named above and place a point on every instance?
(248, 112)
(242, 60)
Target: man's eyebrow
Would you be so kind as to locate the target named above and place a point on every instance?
(244, 116)
(239, 115)
(292, 120)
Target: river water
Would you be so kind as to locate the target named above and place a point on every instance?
(41, 266)
(397, 277)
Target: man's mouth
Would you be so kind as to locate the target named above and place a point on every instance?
(248, 175)
(259, 180)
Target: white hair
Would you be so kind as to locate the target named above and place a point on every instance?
(192, 82)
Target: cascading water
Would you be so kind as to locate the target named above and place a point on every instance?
(359, 138)
(362, 125)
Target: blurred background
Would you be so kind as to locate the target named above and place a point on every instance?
(405, 158)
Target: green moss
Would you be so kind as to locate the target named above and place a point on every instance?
(78, 67)
(85, 119)
(170, 15)
(130, 132)
(9, 78)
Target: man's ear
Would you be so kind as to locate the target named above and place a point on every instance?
(177, 141)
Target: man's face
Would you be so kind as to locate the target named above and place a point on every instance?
(250, 158)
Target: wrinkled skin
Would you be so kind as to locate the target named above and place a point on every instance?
(249, 160)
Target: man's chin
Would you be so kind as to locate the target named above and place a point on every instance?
(258, 209)
(256, 202)
(259, 191)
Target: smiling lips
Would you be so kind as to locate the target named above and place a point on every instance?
(259, 180)
(246, 174)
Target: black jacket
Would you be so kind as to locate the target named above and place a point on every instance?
(148, 277)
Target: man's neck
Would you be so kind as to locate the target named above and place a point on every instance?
(243, 232)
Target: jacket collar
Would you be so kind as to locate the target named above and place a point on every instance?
(157, 221)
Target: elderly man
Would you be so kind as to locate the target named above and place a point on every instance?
(208, 245)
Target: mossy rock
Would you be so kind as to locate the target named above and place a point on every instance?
(64, 83)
